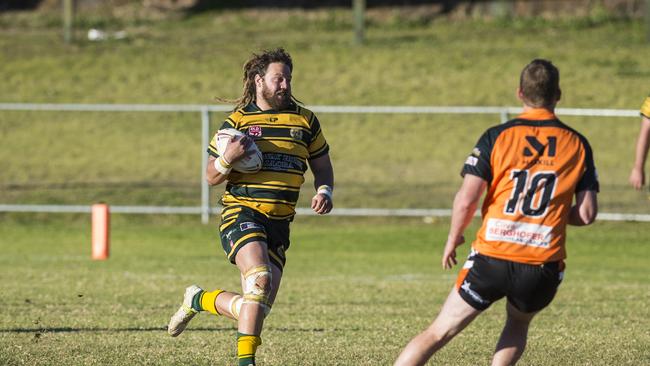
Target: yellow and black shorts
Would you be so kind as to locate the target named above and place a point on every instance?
(241, 225)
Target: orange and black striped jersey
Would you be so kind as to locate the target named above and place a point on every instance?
(645, 108)
(287, 140)
(533, 164)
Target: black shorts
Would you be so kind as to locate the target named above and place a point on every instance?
(241, 225)
(529, 288)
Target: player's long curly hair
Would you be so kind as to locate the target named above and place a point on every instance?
(257, 65)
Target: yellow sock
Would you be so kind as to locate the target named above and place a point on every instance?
(246, 348)
(208, 301)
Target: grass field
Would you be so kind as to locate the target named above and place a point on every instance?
(154, 158)
(354, 292)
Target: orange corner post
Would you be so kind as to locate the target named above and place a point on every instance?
(100, 231)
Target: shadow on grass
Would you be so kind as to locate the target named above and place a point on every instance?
(100, 330)
(158, 329)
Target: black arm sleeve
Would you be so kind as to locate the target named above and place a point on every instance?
(478, 161)
(589, 180)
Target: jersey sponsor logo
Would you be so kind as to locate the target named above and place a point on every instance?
(471, 160)
(248, 226)
(282, 162)
(521, 233)
(476, 152)
(296, 133)
(255, 131)
(539, 147)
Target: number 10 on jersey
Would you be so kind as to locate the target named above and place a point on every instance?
(532, 193)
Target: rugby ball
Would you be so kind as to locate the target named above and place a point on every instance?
(251, 163)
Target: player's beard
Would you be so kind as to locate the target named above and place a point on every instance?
(279, 100)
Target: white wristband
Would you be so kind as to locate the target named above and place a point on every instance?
(325, 190)
(222, 166)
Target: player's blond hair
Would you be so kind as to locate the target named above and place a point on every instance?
(540, 84)
(257, 65)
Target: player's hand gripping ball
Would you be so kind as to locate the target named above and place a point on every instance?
(251, 162)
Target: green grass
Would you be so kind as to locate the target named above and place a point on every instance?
(354, 292)
(380, 160)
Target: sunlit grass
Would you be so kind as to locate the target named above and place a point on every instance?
(381, 160)
(353, 292)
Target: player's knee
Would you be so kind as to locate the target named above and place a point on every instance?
(235, 305)
(264, 283)
(437, 335)
(258, 287)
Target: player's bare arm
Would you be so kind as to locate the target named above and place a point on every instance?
(585, 209)
(321, 167)
(236, 149)
(465, 204)
(637, 176)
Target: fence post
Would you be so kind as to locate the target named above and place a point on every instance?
(502, 9)
(68, 19)
(505, 116)
(359, 9)
(647, 20)
(205, 189)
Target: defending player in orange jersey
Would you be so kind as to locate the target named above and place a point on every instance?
(539, 175)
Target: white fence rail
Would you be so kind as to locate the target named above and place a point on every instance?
(205, 210)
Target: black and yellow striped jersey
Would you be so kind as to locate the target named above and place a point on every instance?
(287, 140)
(645, 108)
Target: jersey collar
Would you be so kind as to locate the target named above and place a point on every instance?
(537, 114)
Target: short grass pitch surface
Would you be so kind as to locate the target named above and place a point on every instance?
(353, 293)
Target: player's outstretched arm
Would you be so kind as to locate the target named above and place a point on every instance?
(323, 172)
(585, 209)
(637, 176)
(465, 204)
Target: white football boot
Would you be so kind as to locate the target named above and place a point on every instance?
(185, 313)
